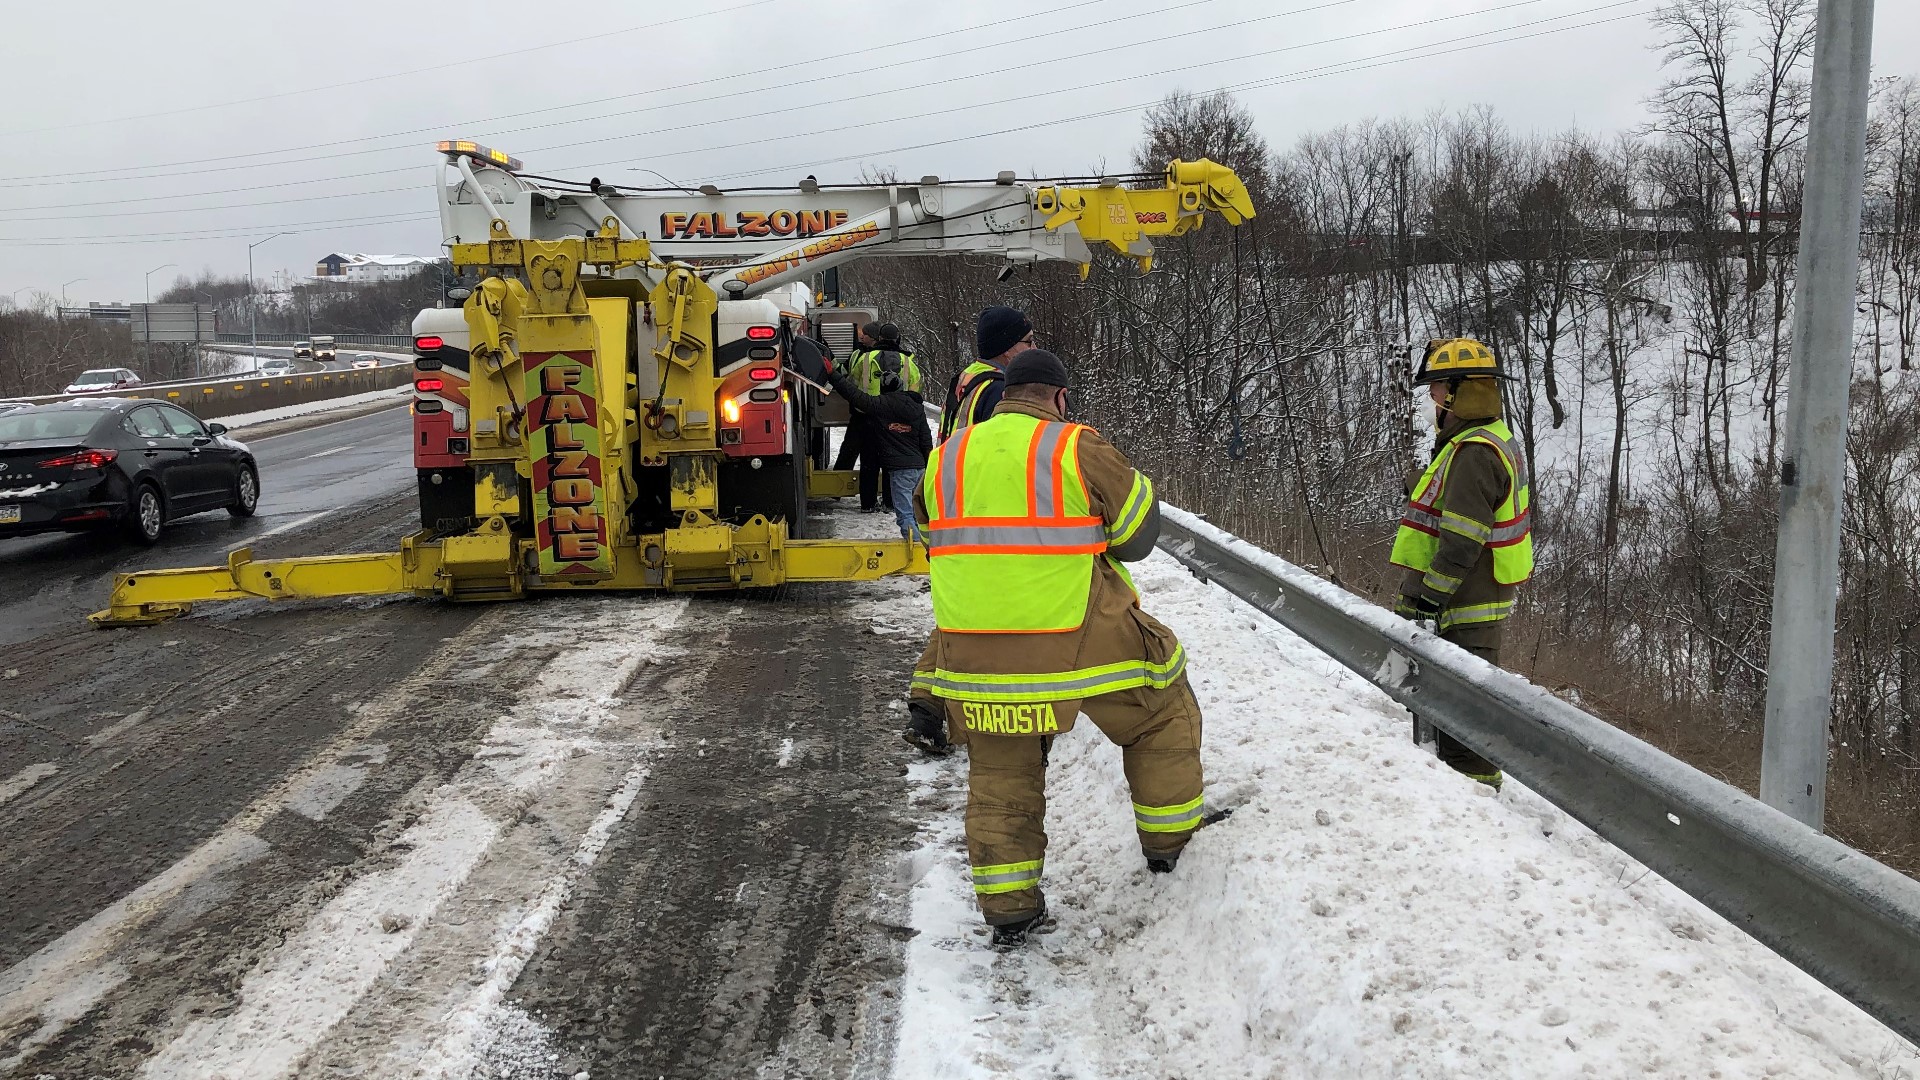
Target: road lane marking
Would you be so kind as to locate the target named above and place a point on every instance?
(278, 529)
(381, 411)
(325, 453)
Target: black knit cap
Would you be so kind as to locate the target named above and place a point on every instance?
(1001, 328)
(1038, 366)
(885, 333)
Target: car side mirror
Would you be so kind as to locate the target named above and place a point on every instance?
(216, 429)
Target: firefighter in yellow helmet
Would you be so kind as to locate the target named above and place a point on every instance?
(1466, 538)
(1030, 521)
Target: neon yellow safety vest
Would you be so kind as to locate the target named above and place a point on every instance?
(1510, 536)
(966, 391)
(864, 370)
(1011, 535)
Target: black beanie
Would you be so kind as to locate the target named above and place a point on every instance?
(1037, 366)
(884, 333)
(1001, 328)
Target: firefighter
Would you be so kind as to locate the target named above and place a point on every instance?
(1030, 521)
(1001, 334)
(1466, 537)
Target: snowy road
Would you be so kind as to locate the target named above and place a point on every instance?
(642, 836)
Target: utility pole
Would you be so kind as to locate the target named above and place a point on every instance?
(253, 326)
(1793, 763)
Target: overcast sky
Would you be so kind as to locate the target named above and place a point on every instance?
(319, 118)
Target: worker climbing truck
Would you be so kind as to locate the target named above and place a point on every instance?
(640, 382)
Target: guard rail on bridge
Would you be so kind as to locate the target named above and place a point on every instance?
(1845, 919)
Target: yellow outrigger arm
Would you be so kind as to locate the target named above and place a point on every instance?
(481, 567)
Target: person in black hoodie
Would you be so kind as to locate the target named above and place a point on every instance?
(895, 434)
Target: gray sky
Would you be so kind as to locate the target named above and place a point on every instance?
(107, 94)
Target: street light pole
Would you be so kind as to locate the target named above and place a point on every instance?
(63, 291)
(146, 313)
(253, 327)
(1793, 756)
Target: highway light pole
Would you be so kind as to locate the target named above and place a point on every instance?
(63, 292)
(146, 314)
(1806, 570)
(253, 326)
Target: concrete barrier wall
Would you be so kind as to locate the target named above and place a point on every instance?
(210, 399)
(230, 397)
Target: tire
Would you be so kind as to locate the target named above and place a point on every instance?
(246, 492)
(146, 515)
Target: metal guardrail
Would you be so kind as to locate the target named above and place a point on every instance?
(1845, 919)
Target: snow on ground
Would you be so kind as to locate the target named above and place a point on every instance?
(1365, 913)
(307, 408)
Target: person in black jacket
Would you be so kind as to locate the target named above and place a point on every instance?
(894, 433)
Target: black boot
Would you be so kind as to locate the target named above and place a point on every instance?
(1014, 934)
(927, 729)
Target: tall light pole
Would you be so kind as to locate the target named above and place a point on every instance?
(253, 328)
(146, 316)
(11, 302)
(63, 290)
(1806, 565)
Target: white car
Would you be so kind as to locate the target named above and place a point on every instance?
(102, 380)
(365, 360)
(274, 367)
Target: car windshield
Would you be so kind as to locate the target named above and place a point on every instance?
(46, 423)
(93, 378)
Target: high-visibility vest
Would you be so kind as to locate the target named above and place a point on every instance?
(1510, 535)
(864, 369)
(973, 382)
(1011, 535)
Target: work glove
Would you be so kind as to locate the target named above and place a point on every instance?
(1419, 608)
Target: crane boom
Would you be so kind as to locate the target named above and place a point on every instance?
(749, 242)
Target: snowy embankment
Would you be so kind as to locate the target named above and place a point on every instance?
(1365, 913)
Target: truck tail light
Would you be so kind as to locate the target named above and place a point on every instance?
(760, 333)
(426, 405)
(730, 410)
(428, 343)
(763, 374)
(429, 386)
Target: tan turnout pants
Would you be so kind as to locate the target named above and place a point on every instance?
(1158, 732)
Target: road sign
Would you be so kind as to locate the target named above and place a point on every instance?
(173, 322)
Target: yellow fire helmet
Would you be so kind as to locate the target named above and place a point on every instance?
(1457, 358)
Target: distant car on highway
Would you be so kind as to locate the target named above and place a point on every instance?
(303, 350)
(365, 360)
(274, 366)
(102, 463)
(102, 380)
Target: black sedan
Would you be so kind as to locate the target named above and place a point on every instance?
(117, 462)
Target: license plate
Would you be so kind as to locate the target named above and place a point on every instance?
(9, 515)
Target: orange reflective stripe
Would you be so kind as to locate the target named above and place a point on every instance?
(1033, 469)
